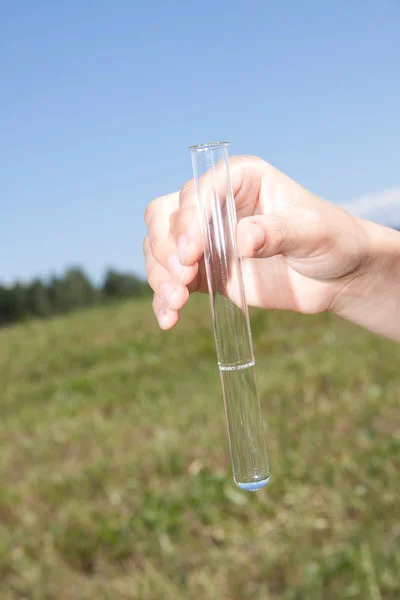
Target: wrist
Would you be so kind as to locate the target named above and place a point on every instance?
(370, 296)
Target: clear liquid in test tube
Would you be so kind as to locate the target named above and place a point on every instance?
(230, 315)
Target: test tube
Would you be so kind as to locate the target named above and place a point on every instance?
(230, 315)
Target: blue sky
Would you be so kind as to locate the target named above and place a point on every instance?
(99, 102)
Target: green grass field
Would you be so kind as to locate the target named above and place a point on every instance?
(115, 470)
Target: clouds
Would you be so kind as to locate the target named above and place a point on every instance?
(382, 207)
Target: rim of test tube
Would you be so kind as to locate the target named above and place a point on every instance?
(209, 145)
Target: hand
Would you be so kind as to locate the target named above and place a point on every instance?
(299, 251)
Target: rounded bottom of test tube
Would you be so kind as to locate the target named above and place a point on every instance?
(253, 486)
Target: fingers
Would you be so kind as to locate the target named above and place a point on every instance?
(168, 299)
(263, 236)
(157, 218)
(161, 242)
(173, 246)
(172, 292)
(186, 227)
(246, 174)
(166, 318)
(173, 223)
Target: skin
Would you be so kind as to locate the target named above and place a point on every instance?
(300, 252)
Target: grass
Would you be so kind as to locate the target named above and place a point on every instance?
(115, 472)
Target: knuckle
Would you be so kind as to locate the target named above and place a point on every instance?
(187, 188)
(152, 271)
(150, 211)
(153, 277)
(284, 235)
(145, 245)
(280, 234)
(156, 302)
(245, 160)
(187, 218)
(156, 247)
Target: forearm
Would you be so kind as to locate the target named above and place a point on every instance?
(372, 300)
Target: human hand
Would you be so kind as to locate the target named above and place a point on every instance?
(299, 251)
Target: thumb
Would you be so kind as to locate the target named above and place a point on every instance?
(262, 236)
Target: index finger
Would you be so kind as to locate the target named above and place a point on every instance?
(158, 217)
(196, 201)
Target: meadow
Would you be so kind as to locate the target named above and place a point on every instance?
(115, 477)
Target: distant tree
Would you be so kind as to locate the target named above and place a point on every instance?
(121, 285)
(57, 296)
(7, 306)
(19, 294)
(145, 289)
(76, 289)
(38, 299)
(13, 304)
(64, 294)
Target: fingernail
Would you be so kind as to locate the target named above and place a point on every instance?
(183, 246)
(167, 293)
(177, 268)
(258, 235)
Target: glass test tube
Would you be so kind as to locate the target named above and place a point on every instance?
(230, 315)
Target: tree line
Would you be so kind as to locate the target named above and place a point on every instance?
(60, 295)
